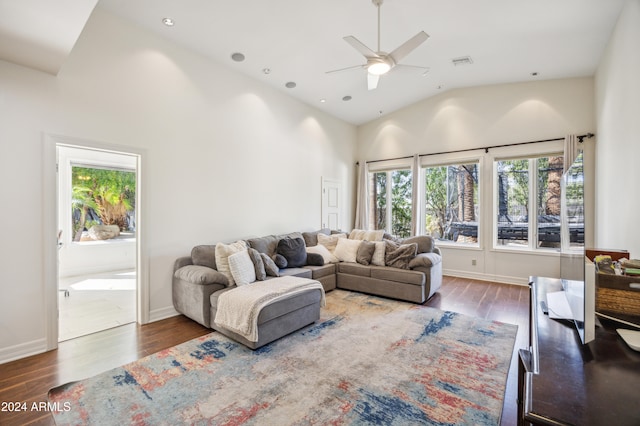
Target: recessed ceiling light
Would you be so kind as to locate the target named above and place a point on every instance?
(534, 74)
(168, 22)
(290, 85)
(346, 98)
(266, 70)
(237, 56)
(323, 101)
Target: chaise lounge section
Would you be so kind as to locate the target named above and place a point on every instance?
(198, 281)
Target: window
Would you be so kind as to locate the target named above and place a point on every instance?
(452, 203)
(528, 201)
(390, 201)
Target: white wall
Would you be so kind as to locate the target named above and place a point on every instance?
(225, 157)
(618, 149)
(485, 116)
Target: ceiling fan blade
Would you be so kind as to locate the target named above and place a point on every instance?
(408, 46)
(357, 44)
(372, 81)
(346, 69)
(425, 70)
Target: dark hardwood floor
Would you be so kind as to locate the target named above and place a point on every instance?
(28, 380)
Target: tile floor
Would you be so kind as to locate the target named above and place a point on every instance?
(95, 303)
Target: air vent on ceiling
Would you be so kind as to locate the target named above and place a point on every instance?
(463, 60)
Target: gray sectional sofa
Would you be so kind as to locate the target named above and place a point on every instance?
(197, 284)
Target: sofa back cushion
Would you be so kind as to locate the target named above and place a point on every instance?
(266, 245)
(204, 255)
(424, 242)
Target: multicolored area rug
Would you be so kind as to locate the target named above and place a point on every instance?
(368, 360)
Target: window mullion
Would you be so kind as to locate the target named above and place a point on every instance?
(389, 228)
(533, 203)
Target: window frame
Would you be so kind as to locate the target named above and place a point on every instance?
(388, 167)
(438, 161)
(532, 199)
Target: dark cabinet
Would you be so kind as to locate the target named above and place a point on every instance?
(563, 382)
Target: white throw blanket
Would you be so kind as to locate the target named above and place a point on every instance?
(238, 309)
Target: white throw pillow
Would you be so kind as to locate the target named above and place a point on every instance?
(330, 241)
(378, 255)
(223, 251)
(347, 250)
(359, 234)
(324, 252)
(242, 268)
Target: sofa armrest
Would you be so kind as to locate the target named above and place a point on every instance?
(425, 260)
(437, 251)
(203, 275)
(180, 262)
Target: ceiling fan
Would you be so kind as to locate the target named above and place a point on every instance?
(379, 62)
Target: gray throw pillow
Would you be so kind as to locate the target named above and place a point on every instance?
(294, 250)
(280, 261)
(258, 264)
(311, 238)
(269, 266)
(315, 259)
(365, 252)
(399, 255)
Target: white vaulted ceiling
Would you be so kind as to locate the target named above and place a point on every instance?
(299, 40)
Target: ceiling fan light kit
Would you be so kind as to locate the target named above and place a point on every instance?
(379, 62)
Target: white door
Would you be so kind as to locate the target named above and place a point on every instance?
(331, 204)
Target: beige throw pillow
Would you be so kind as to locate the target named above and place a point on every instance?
(223, 251)
(330, 241)
(360, 234)
(347, 250)
(378, 254)
(324, 252)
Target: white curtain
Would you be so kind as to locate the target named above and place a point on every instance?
(572, 149)
(416, 224)
(362, 199)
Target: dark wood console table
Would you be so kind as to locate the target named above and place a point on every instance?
(562, 382)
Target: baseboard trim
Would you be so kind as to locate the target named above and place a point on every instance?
(162, 313)
(23, 350)
(502, 279)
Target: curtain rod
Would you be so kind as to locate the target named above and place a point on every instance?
(486, 148)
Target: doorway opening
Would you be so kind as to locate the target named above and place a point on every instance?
(98, 244)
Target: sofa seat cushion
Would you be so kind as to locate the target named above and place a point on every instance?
(425, 260)
(297, 272)
(321, 271)
(197, 274)
(354, 269)
(398, 275)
